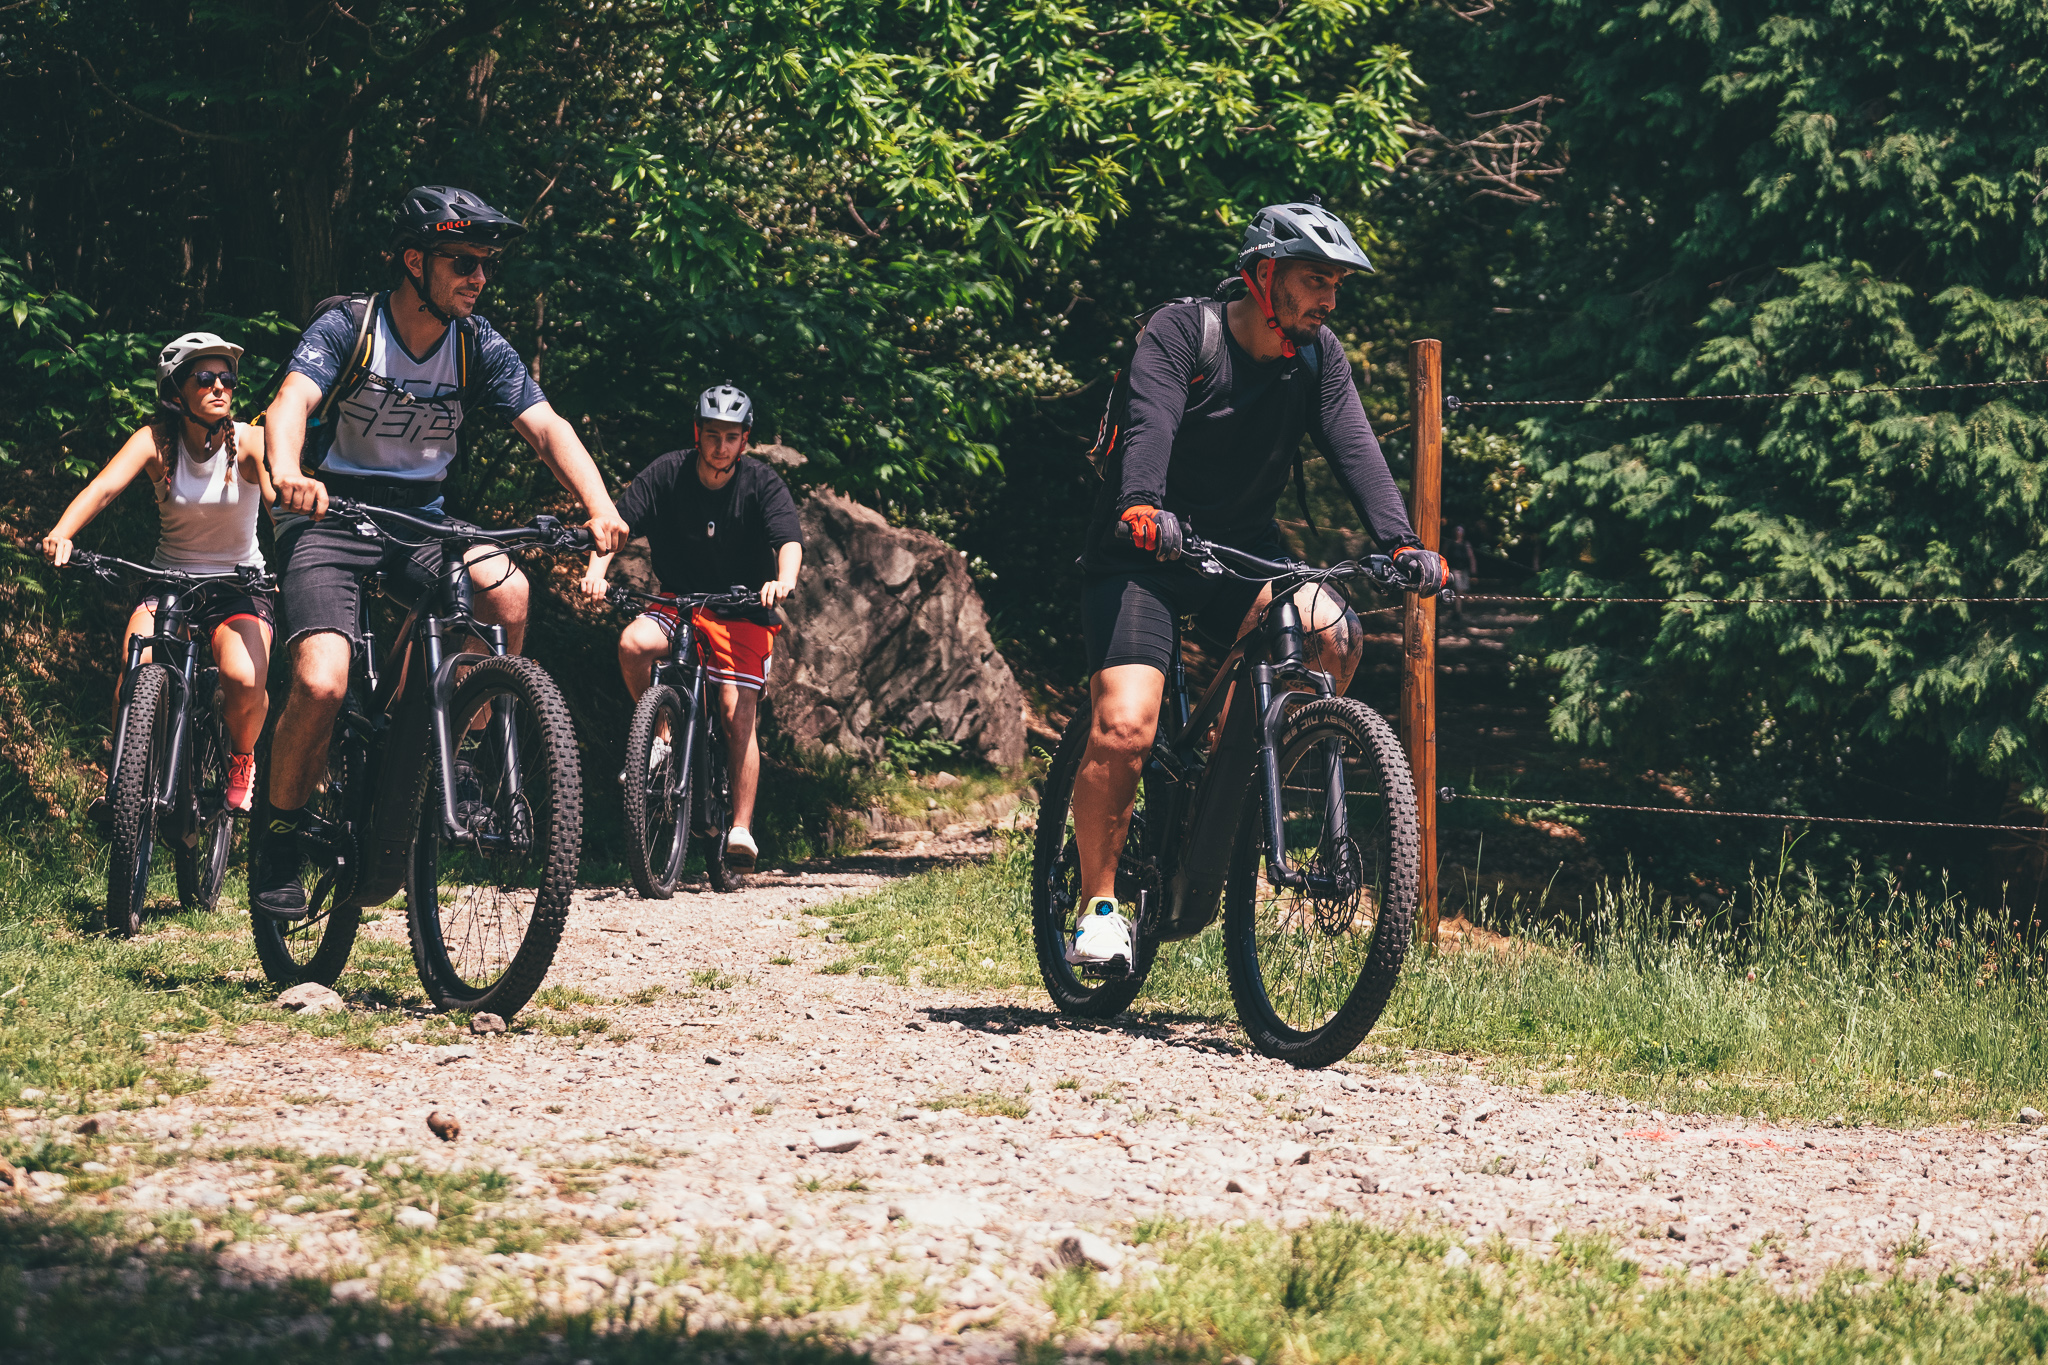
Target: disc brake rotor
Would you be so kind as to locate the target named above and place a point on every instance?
(1343, 865)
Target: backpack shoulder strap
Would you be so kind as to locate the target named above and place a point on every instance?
(1209, 359)
(363, 309)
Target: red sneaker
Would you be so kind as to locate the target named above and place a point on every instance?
(241, 781)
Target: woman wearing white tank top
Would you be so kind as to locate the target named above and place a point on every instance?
(208, 475)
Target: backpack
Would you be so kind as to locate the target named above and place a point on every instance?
(355, 370)
(1208, 360)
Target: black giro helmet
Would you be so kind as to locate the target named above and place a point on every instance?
(1301, 232)
(442, 213)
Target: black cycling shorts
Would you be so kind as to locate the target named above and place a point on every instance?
(1129, 618)
(216, 609)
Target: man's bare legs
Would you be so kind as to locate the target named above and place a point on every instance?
(1124, 716)
(737, 708)
(642, 645)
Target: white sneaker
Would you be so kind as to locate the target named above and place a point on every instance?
(740, 850)
(1104, 935)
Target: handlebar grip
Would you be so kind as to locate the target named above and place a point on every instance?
(579, 539)
(1123, 532)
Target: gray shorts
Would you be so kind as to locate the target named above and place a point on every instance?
(325, 563)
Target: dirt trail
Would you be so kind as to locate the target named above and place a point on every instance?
(717, 1119)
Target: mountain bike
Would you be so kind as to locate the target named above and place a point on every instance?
(169, 775)
(1299, 816)
(453, 777)
(676, 760)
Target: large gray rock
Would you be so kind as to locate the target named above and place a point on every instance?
(888, 633)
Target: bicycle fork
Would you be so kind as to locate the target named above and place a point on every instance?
(1271, 702)
(442, 668)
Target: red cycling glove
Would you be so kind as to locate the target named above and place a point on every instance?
(1152, 530)
(1422, 570)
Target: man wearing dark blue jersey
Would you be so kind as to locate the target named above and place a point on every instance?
(395, 429)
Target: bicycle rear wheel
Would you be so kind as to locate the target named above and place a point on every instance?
(317, 947)
(486, 914)
(132, 798)
(203, 864)
(657, 793)
(1311, 968)
(1056, 891)
(717, 810)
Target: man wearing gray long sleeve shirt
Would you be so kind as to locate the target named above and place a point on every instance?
(1214, 452)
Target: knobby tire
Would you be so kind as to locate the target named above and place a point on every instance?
(133, 799)
(203, 865)
(1330, 977)
(316, 948)
(657, 804)
(465, 950)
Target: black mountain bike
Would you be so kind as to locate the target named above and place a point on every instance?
(169, 776)
(1300, 817)
(453, 777)
(676, 762)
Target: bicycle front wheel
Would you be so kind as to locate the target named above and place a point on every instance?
(144, 743)
(203, 863)
(1311, 967)
(486, 912)
(657, 793)
(1056, 891)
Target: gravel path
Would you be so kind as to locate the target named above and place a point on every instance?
(752, 1095)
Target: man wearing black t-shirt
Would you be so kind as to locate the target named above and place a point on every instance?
(1212, 446)
(715, 518)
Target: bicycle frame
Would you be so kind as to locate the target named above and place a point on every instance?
(684, 672)
(407, 732)
(1195, 800)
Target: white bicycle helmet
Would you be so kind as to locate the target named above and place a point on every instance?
(725, 404)
(187, 348)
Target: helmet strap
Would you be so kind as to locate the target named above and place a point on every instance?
(1265, 302)
(212, 429)
(419, 286)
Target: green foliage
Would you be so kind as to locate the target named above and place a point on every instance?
(1799, 197)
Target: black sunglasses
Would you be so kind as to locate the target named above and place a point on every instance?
(467, 264)
(206, 379)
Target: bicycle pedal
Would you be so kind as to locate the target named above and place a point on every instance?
(1116, 969)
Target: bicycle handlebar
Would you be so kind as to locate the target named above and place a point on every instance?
(1377, 569)
(247, 577)
(544, 530)
(737, 596)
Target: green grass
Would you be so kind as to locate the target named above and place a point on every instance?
(1808, 1010)
(1342, 1292)
(981, 1103)
(76, 1003)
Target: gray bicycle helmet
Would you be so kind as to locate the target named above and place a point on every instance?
(725, 404)
(181, 352)
(1300, 232)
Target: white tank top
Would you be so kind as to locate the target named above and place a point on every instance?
(207, 511)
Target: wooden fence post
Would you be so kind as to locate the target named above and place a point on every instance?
(1418, 676)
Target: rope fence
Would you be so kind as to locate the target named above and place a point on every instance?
(1454, 404)
(1451, 794)
(1432, 408)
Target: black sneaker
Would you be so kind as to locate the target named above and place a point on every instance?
(277, 885)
